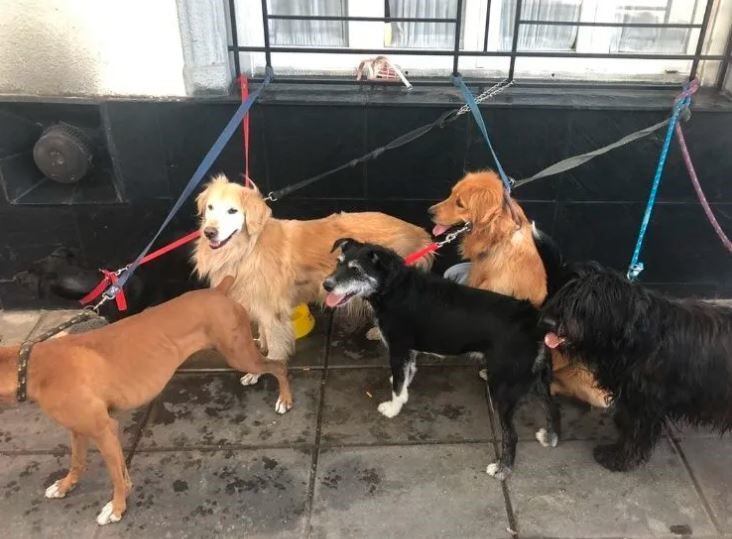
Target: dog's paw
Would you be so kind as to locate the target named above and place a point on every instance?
(498, 470)
(390, 408)
(611, 457)
(55, 491)
(282, 406)
(374, 334)
(546, 438)
(483, 373)
(250, 379)
(107, 515)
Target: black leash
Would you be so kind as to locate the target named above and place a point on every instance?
(398, 142)
(25, 350)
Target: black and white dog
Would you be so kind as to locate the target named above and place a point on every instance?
(420, 312)
(659, 357)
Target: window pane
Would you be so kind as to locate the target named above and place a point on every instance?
(540, 37)
(432, 35)
(660, 40)
(308, 33)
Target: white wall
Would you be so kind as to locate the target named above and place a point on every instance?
(90, 47)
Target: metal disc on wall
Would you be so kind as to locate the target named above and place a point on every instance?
(63, 153)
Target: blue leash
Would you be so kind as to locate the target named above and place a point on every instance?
(193, 183)
(469, 99)
(681, 103)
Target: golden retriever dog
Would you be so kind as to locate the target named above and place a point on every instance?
(504, 258)
(281, 263)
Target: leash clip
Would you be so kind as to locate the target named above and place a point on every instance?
(634, 271)
(452, 236)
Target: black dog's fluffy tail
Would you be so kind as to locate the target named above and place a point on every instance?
(551, 257)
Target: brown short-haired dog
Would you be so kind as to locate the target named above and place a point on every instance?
(77, 379)
(504, 259)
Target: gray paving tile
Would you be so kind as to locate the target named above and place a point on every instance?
(681, 431)
(710, 460)
(350, 347)
(407, 491)
(446, 404)
(26, 428)
(216, 494)
(563, 492)
(309, 350)
(15, 326)
(215, 410)
(24, 510)
(579, 421)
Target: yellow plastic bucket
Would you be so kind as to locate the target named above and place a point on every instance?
(303, 321)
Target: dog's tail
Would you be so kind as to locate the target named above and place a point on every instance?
(225, 284)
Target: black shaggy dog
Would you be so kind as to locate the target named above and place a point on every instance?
(659, 357)
(420, 312)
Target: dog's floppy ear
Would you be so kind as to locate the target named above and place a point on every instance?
(201, 200)
(256, 213)
(343, 244)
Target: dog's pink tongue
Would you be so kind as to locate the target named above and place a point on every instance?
(332, 300)
(439, 230)
(552, 340)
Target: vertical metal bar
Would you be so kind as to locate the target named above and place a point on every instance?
(700, 42)
(514, 44)
(487, 26)
(265, 23)
(458, 28)
(234, 36)
(687, 34)
(722, 74)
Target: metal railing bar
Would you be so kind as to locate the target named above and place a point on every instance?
(265, 24)
(610, 24)
(234, 36)
(514, 41)
(700, 41)
(345, 18)
(507, 54)
(458, 27)
(487, 25)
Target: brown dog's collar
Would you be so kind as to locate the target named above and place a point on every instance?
(23, 356)
(25, 350)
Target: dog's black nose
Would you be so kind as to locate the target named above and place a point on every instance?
(210, 232)
(329, 284)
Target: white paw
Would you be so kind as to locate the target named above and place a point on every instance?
(374, 334)
(546, 438)
(54, 491)
(498, 470)
(250, 379)
(390, 408)
(483, 373)
(107, 516)
(281, 407)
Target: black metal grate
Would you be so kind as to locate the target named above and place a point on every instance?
(456, 52)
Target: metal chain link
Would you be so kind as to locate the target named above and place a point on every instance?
(488, 94)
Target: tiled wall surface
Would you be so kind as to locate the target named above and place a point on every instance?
(593, 211)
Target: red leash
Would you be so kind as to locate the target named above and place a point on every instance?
(110, 277)
(412, 258)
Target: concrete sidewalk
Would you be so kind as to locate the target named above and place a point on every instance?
(212, 458)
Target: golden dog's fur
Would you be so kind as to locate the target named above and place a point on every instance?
(281, 263)
(504, 258)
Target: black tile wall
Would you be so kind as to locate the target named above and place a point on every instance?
(593, 211)
(303, 141)
(424, 169)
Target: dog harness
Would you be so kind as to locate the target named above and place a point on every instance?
(25, 351)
